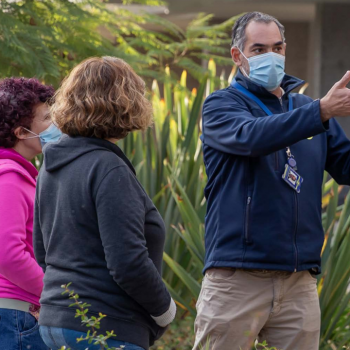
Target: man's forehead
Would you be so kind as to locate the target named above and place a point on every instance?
(263, 33)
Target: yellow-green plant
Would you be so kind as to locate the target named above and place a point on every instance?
(333, 283)
(169, 156)
(165, 156)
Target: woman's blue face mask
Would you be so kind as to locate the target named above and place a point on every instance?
(51, 134)
(266, 70)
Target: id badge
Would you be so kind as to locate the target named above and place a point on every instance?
(292, 178)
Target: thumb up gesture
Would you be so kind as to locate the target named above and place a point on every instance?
(337, 101)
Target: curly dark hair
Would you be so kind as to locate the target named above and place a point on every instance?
(18, 97)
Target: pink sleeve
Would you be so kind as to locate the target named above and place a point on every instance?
(16, 262)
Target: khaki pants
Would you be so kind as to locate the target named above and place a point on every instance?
(237, 307)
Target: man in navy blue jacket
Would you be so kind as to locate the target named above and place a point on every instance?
(265, 151)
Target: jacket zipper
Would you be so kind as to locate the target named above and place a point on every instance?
(295, 231)
(276, 161)
(247, 216)
(276, 153)
(296, 214)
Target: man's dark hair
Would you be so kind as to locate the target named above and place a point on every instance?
(238, 30)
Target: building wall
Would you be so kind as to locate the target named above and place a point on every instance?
(334, 55)
(297, 38)
(335, 41)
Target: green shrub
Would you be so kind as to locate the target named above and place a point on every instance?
(168, 161)
(48, 38)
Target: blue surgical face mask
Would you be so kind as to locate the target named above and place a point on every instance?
(266, 70)
(51, 134)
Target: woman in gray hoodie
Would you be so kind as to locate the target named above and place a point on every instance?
(94, 225)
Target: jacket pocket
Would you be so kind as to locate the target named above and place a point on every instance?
(247, 220)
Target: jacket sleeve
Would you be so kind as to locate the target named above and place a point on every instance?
(38, 242)
(120, 205)
(16, 263)
(338, 154)
(228, 126)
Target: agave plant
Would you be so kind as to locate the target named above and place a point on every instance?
(333, 283)
(166, 157)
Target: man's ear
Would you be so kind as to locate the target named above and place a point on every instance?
(20, 133)
(236, 56)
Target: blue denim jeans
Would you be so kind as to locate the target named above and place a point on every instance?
(55, 338)
(19, 330)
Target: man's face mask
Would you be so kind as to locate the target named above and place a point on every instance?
(266, 70)
(51, 134)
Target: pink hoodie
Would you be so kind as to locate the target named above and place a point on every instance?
(20, 276)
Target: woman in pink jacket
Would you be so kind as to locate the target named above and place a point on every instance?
(25, 126)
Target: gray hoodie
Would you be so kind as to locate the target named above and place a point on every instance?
(96, 227)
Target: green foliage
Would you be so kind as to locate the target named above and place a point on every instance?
(92, 322)
(334, 280)
(168, 161)
(47, 38)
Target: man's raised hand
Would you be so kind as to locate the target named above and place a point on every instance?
(337, 101)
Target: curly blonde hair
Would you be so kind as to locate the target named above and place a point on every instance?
(103, 98)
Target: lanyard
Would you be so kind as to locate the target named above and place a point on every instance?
(290, 175)
(246, 92)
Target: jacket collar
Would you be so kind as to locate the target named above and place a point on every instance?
(67, 149)
(288, 84)
(9, 157)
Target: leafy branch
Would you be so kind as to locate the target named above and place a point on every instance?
(91, 322)
(47, 39)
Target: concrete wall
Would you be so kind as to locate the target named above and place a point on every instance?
(334, 54)
(335, 43)
(297, 38)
